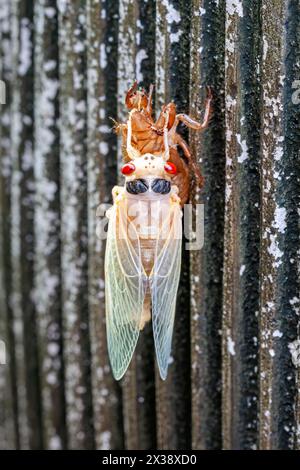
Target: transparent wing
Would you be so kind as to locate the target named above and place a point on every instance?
(124, 290)
(164, 281)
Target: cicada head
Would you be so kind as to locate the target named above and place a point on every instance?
(148, 165)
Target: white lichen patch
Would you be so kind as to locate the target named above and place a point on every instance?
(274, 250)
(280, 219)
(25, 47)
(175, 37)
(172, 15)
(234, 7)
(230, 346)
(294, 348)
(140, 56)
(173, 19)
(244, 149)
(105, 440)
(295, 303)
(103, 57)
(272, 352)
(55, 443)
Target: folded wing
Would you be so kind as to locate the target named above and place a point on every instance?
(164, 281)
(125, 290)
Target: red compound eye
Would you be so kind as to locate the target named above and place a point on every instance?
(170, 168)
(128, 169)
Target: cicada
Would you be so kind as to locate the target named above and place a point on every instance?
(143, 257)
(147, 134)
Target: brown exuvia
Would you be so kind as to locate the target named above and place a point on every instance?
(148, 134)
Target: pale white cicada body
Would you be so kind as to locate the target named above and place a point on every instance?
(143, 259)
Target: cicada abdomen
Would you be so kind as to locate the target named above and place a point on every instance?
(143, 259)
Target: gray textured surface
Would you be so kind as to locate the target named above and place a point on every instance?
(234, 381)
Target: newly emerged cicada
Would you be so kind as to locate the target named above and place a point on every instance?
(143, 250)
(143, 257)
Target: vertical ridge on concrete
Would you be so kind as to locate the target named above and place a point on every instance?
(74, 243)
(47, 280)
(102, 29)
(10, 438)
(172, 83)
(241, 238)
(16, 174)
(136, 62)
(207, 68)
(287, 364)
(25, 152)
(272, 214)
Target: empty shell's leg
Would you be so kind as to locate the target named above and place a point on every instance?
(192, 123)
(178, 140)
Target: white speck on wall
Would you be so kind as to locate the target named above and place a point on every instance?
(277, 334)
(50, 12)
(49, 189)
(103, 57)
(140, 56)
(274, 250)
(25, 47)
(78, 47)
(202, 11)
(62, 6)
(280, 219)
(27, 157)
(49, 65)
(174, 37)
(104, 129)
(294, 348)
(228, 135)
(242, 269)
(51, 378)
(172, 16)
(105, 440)
(265, 48)
(53, 349)
(244, 149)
(103, 148)
(230, 102)
(278, 153)
(272, 352)
(234, 7)
(295, 303)
(55, 443)
(80, 106)
(230, 346)
(228, 191)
